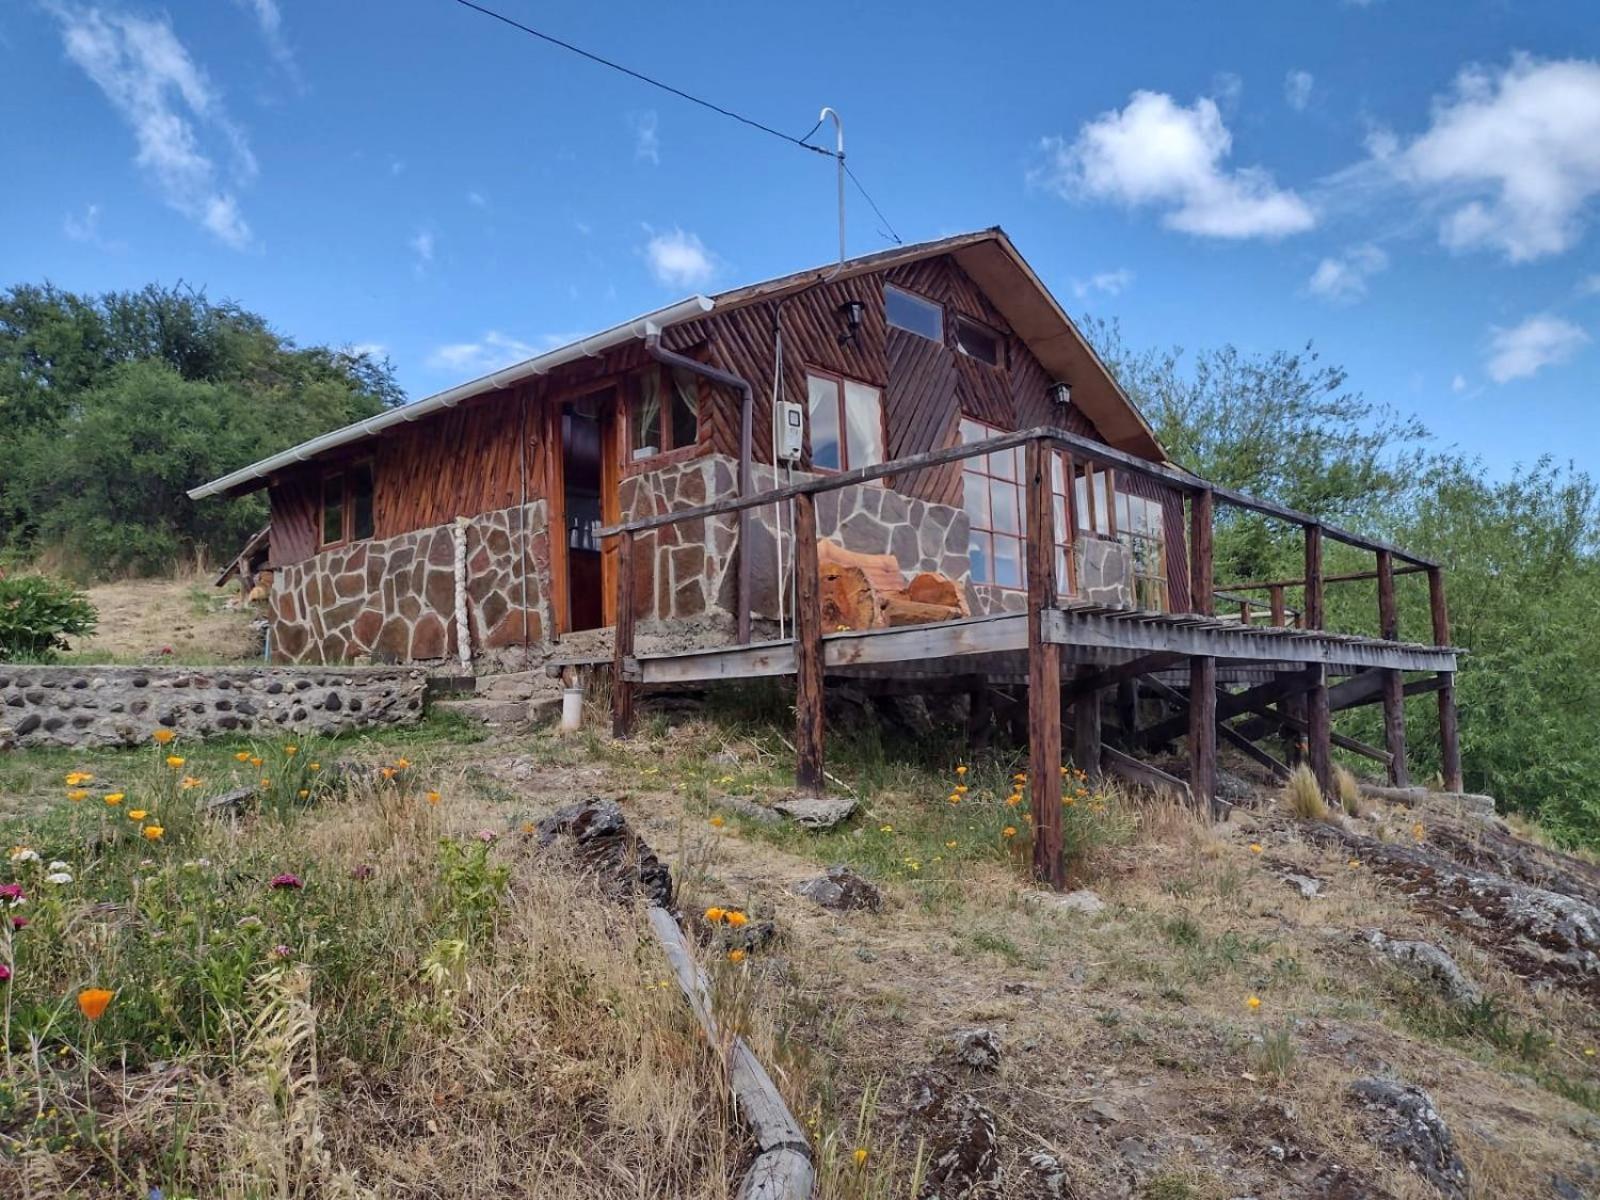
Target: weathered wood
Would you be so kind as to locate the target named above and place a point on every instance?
(1314, 614)
(847, 598)
(1394, 706)
(1092, 679)
(1203, 730)
(1276, 601)
(1228, 707)
(622, 688)
(1286, 718)
(1142, 774)
(1227, 733)
(897, 611)
(1319, 728)
(1449, 733)
(808, 735)
(1086, 723)
(1262, 585)
(1044, 675)
(1202, 575)
(929, 588)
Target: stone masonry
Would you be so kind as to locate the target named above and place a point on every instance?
(393, 600)
(112, 706)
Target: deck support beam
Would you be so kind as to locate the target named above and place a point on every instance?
(1449, 734)
(1394, 695)
(1086, 724)
(622, 688)
(1203, 732)
(808, 737)
(1044, 675)
(1319, 728)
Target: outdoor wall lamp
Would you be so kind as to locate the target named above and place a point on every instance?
(852, 311)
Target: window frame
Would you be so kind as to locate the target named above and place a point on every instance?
(916, 298)
(1062, 513)
(346, 473)
(840, 380)
(632, 396)
(961, 320)
(1156, 545)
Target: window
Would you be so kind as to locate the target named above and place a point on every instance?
(347, 505)
(908, 311)
(1141, 525)
(1093, 491)
(663, 413)
(995, 497)
(976, 341)
(846, 423)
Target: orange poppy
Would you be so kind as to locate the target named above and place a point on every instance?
(92, 1002)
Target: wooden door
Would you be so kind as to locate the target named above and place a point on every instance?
(610, 501)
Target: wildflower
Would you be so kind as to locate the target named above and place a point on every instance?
(487, 836)
(950, 845)
(1588, 1051)
(1355, 864)
(860, 1156)
(1009, 831)
(77, 795)
(58, 865)
(114, 798)
(362, 872)
(885, 828)
(22, 854)
(174, 761)
(12, 894)
(154, 833)
(715, 915)
(387, 772)
(5, 973)
(58, 877)
(433, 797)
(402, 763)
(1255, 847)
(955, 798)
(313, 766)
(242, 756)
(78, 778)
(137, 814)
(961, 769)
(19, 923)
(287, 880)
(1014, 799)
(303, 793)
(281, 951)
(717, 822)
(1020, 777)
(1253, 1003)
(291, 751)
(961, 789)
(1418, 832)
(255, 760)
(265, 783)
(189, 783)
(92, 1002)
(736, 918)
(736, 956)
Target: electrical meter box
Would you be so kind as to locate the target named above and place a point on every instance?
(791, 431)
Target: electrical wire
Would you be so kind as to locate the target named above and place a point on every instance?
(890, 234)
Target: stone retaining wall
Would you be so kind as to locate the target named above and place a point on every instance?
(110, 706)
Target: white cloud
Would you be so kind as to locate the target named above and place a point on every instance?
(477, 200)
(166, 99)
(493, 351)
(1513, 153)
(1589, 285)
(1459, 383)
(1543, 340)
(270, 21)
(375, 350)
(679, 259)
(1344, 279)
(647, 137)
(1158, 152)
(421, 244)
(85, 228)
(1112, 283)
(1297, 87)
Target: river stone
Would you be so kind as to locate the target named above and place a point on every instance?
(1413, 1128)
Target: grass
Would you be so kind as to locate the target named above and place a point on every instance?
(1303, 795)
(1348, 789)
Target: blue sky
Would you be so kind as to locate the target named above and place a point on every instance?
(1414, 185)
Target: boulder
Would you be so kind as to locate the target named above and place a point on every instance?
(816, 812)
(1429, 964)
(1412, 1127)
(603, 842)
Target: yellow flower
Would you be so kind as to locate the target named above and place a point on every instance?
(860, 1156)
(387, 772)
(154, 832)
(265, 782)
(1009, 831)
(950, 845)
(736, 956)
(1014, 799)
(1068, 801)
(137, 814)
(302, 793)
(1418, 832)
(1588, 1051)
(434, 797)
(291, 750)
(77, 794)
(1253, 1003)
(954, 798)
(961, 789)
(114, 798)
(78, 778)
(717, 822)
(255, 760)
(402, 763)
(92, 1002)
(962, 769)
(190, 783)
(736, 918)
(885, 828)
(1255, 847)
(1020, 777)
(715, 915)
(1355, 863)
(242, 756)
(174, 761)
(313, 766)
(163, 736)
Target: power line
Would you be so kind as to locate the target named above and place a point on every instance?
(642, 78)
(891, 234)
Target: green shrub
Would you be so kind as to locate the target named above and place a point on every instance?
(37, 614)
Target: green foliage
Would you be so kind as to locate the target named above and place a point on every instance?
(115, 405)
(38, 614)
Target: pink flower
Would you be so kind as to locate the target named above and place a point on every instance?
(19, 922)
(12, 893)
(363, 872)
(281, 951)
(487, 835)
(286, 880)
(5, 972)
(166, 649)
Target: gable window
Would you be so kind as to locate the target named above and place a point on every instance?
(846, 420)
(977, 341)
(913, 313)
(347, 505)
(663, 413)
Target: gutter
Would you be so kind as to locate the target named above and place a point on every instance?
(253, 476)
(654, 349)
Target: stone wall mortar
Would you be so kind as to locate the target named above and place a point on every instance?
(120, 706)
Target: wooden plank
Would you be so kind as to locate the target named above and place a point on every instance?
(1394, 706)
(1262, 585)
(808, 650)
(1225, 731)
(1142, 774)
(1108, 677)
(1086, 731)
(1314, 612)
(1044, 676)
(622, 687)
(1202, 576)
(1319, 728)
(1203, 731)
(1285, 718)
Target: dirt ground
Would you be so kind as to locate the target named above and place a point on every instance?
(154, 620)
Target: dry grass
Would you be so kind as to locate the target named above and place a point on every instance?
(1303, 795)
(1348, 789)
(153, 620)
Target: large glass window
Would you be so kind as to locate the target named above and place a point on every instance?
(846, 423)
(1140, 525)
(995, 494)
(663, 412)
(913, 313)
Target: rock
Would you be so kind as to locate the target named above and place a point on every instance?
(962, 1146)
(755, 935)
(1081, 901)
(1138, 1154)
(1047, 1175)
(1430, 964)
(753, 809)
(978, 1049)
(602, 841)
(841, 888)
(1104, 1112)
(816, 812)
(1413, 1128)
(1308, 886)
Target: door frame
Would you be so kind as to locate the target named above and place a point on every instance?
(612, 417)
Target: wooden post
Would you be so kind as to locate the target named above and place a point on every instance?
(1086, 728)
(1312, 617)
(1394, 687)
(1275, 593)
(621, 687)
(1203, 732)
(1449, 733)
(1202, 579)
(1247, 614)
(807, 650)
(1319, 729)
(1044, 675)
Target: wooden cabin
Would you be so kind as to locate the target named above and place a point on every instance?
(707, 491)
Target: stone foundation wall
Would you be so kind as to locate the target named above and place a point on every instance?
(393, 600)
(111, 706)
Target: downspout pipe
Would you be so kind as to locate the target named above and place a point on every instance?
(747, 404)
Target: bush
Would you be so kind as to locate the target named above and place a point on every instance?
(37, 614)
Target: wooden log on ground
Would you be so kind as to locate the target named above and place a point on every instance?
(846, 597)
(898, 610)
(926, 587)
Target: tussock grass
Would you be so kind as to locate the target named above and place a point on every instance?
(1348, 789)
(1303, 796)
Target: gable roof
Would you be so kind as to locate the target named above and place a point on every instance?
(987, 256)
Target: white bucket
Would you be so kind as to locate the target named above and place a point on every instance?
(571, 709)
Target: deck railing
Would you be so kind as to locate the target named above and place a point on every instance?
(1044, 668)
